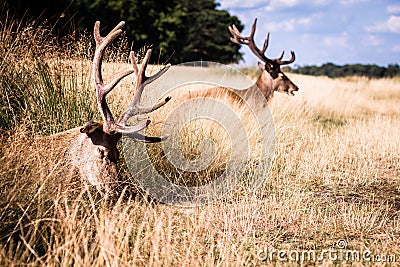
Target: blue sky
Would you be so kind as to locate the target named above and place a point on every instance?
(321, 31)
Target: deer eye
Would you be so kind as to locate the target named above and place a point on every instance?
(274, 73)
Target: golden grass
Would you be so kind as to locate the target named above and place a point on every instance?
(335, 176)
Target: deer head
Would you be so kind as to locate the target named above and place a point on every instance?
(95, 153)
(272, 78)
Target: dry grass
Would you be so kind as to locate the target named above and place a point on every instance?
(335, 176)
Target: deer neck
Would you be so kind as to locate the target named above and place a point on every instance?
(263, 85)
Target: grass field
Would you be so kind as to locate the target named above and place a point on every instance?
(333, 188)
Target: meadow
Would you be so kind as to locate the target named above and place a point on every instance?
(333, 185)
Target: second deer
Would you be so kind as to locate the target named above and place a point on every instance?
(272, 78)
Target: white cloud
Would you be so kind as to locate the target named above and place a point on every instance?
(321, 2)
(242, 4)
(391, 25)
(372, 40)
(350, 2)
(393, 9)
(304, 21)
(396, 48)
(337, 40)
(272, 5)
(279, 4)
(283, 4)
(287, 25)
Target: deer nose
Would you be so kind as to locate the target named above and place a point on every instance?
(293, 89)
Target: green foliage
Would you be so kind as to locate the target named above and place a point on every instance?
(37, 89)
(177, 30)
(45, 99)
(333, 71)
(208, 38)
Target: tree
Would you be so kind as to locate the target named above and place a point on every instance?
(187, 29)
(208, 37)
(177, 30)
(56, 13)
(331, 70)
(393, 70)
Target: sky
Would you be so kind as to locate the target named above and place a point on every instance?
(322, 31)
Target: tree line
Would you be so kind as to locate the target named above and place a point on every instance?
(177, 30)
(335, 71)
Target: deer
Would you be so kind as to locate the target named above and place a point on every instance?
(90, 151)
(270, 80)
(94, 152)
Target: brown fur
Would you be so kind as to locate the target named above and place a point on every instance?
(265, 84)
(93, 155)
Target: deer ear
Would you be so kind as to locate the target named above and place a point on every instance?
(261, 65)
(90, 127)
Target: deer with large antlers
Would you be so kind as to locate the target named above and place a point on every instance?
(92, 149)
(95, 153)
(272, 78)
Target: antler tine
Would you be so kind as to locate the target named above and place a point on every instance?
(265, 46)
(253, 29)
(285, 62)
(281, 56)
(114, 32)
(101, 44)
(147, 139)
(142, 80)
(249, 41)
(237, 37)
(103, 89)
(140, 76)
(132, 57)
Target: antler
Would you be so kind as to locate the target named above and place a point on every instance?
(249, 41)
(102, 89)
(142, 80)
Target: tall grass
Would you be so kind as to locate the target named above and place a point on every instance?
(46, 82)
(335, 176)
